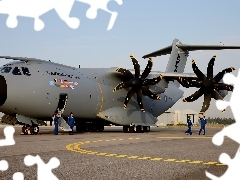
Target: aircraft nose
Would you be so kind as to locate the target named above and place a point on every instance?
(3, 90)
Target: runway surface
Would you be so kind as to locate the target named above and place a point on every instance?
(163, 153)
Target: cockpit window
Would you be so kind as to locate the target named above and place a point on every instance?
(16, 71)
(25, 71)
(6, 69)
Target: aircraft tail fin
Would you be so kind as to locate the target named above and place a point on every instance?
(179, 53)
(177, 59)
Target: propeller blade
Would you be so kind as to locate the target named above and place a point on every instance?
(136, 66)
(139, 100)
(125, 72)
(194, 96)
(196, 83)
(128, 97)
(183, 82)
(220, 75)
(210, 67)
(150, 94)
(206, 103)
(121, 85)
(199, 74)
(147, 69)
(153, 81)
(221, 86)
(217, 96)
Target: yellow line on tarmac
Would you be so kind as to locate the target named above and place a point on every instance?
(76, 147)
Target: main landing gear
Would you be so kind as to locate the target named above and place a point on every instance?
(136, 129)
(30, 130)
(89, 127)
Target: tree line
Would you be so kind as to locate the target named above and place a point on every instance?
(218, 120)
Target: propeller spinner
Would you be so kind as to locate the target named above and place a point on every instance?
(209, 85)
(139, 84)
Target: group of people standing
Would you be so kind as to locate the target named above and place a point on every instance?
(203, 122)
(70, 121)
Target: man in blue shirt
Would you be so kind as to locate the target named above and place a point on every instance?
(189, 124)
(71, 121)
(56, 119)
(203, 122)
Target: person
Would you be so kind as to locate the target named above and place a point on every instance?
(189, 124)
(56, 119)
(71, 121)
(203, 122)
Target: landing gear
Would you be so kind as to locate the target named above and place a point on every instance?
(136, 129)
(89, 127)
(35, 130)
(30, 130)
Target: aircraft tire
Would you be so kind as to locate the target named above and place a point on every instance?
(125, 129)
(146, 128)
(139, 129)
(25, 130)
(100, 128)
(35, 130)
(132, 129)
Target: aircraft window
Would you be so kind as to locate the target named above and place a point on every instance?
(6, 69)
(25, 71)
(16, 71)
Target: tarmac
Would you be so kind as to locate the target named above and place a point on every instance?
(163, 153)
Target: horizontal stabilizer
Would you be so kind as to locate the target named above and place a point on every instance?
(121, 116)
(186, 47)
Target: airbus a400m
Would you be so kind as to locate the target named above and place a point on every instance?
(32, 90)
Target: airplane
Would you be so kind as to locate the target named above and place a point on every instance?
(32, 90)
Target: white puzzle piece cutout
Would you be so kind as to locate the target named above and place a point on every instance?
(8, 141)
(44, 170)
(36, 8)
(8, 133)
(101, 4)
(18, 176)
(232, 131)
(3, 165)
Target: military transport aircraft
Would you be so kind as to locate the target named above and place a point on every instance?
(32, 90)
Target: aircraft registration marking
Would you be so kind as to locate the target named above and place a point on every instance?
(76, 147)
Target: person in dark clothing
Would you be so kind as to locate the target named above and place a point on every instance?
(203, 122)
(56, 119)
(189, 124)
(71, 121)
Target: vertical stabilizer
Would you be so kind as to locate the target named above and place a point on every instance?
(177, 60)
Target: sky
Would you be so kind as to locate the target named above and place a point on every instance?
(142, 26)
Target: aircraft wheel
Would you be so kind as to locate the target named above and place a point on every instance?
(100, 128)
(25, 130)
(139, 129)
(125, 129)
(146, 128)
(94, 128)
(132, 129)
(35, 130)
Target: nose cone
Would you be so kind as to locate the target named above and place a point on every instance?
(3, 90)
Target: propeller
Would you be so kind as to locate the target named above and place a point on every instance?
(208, 85)
(139, 84)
